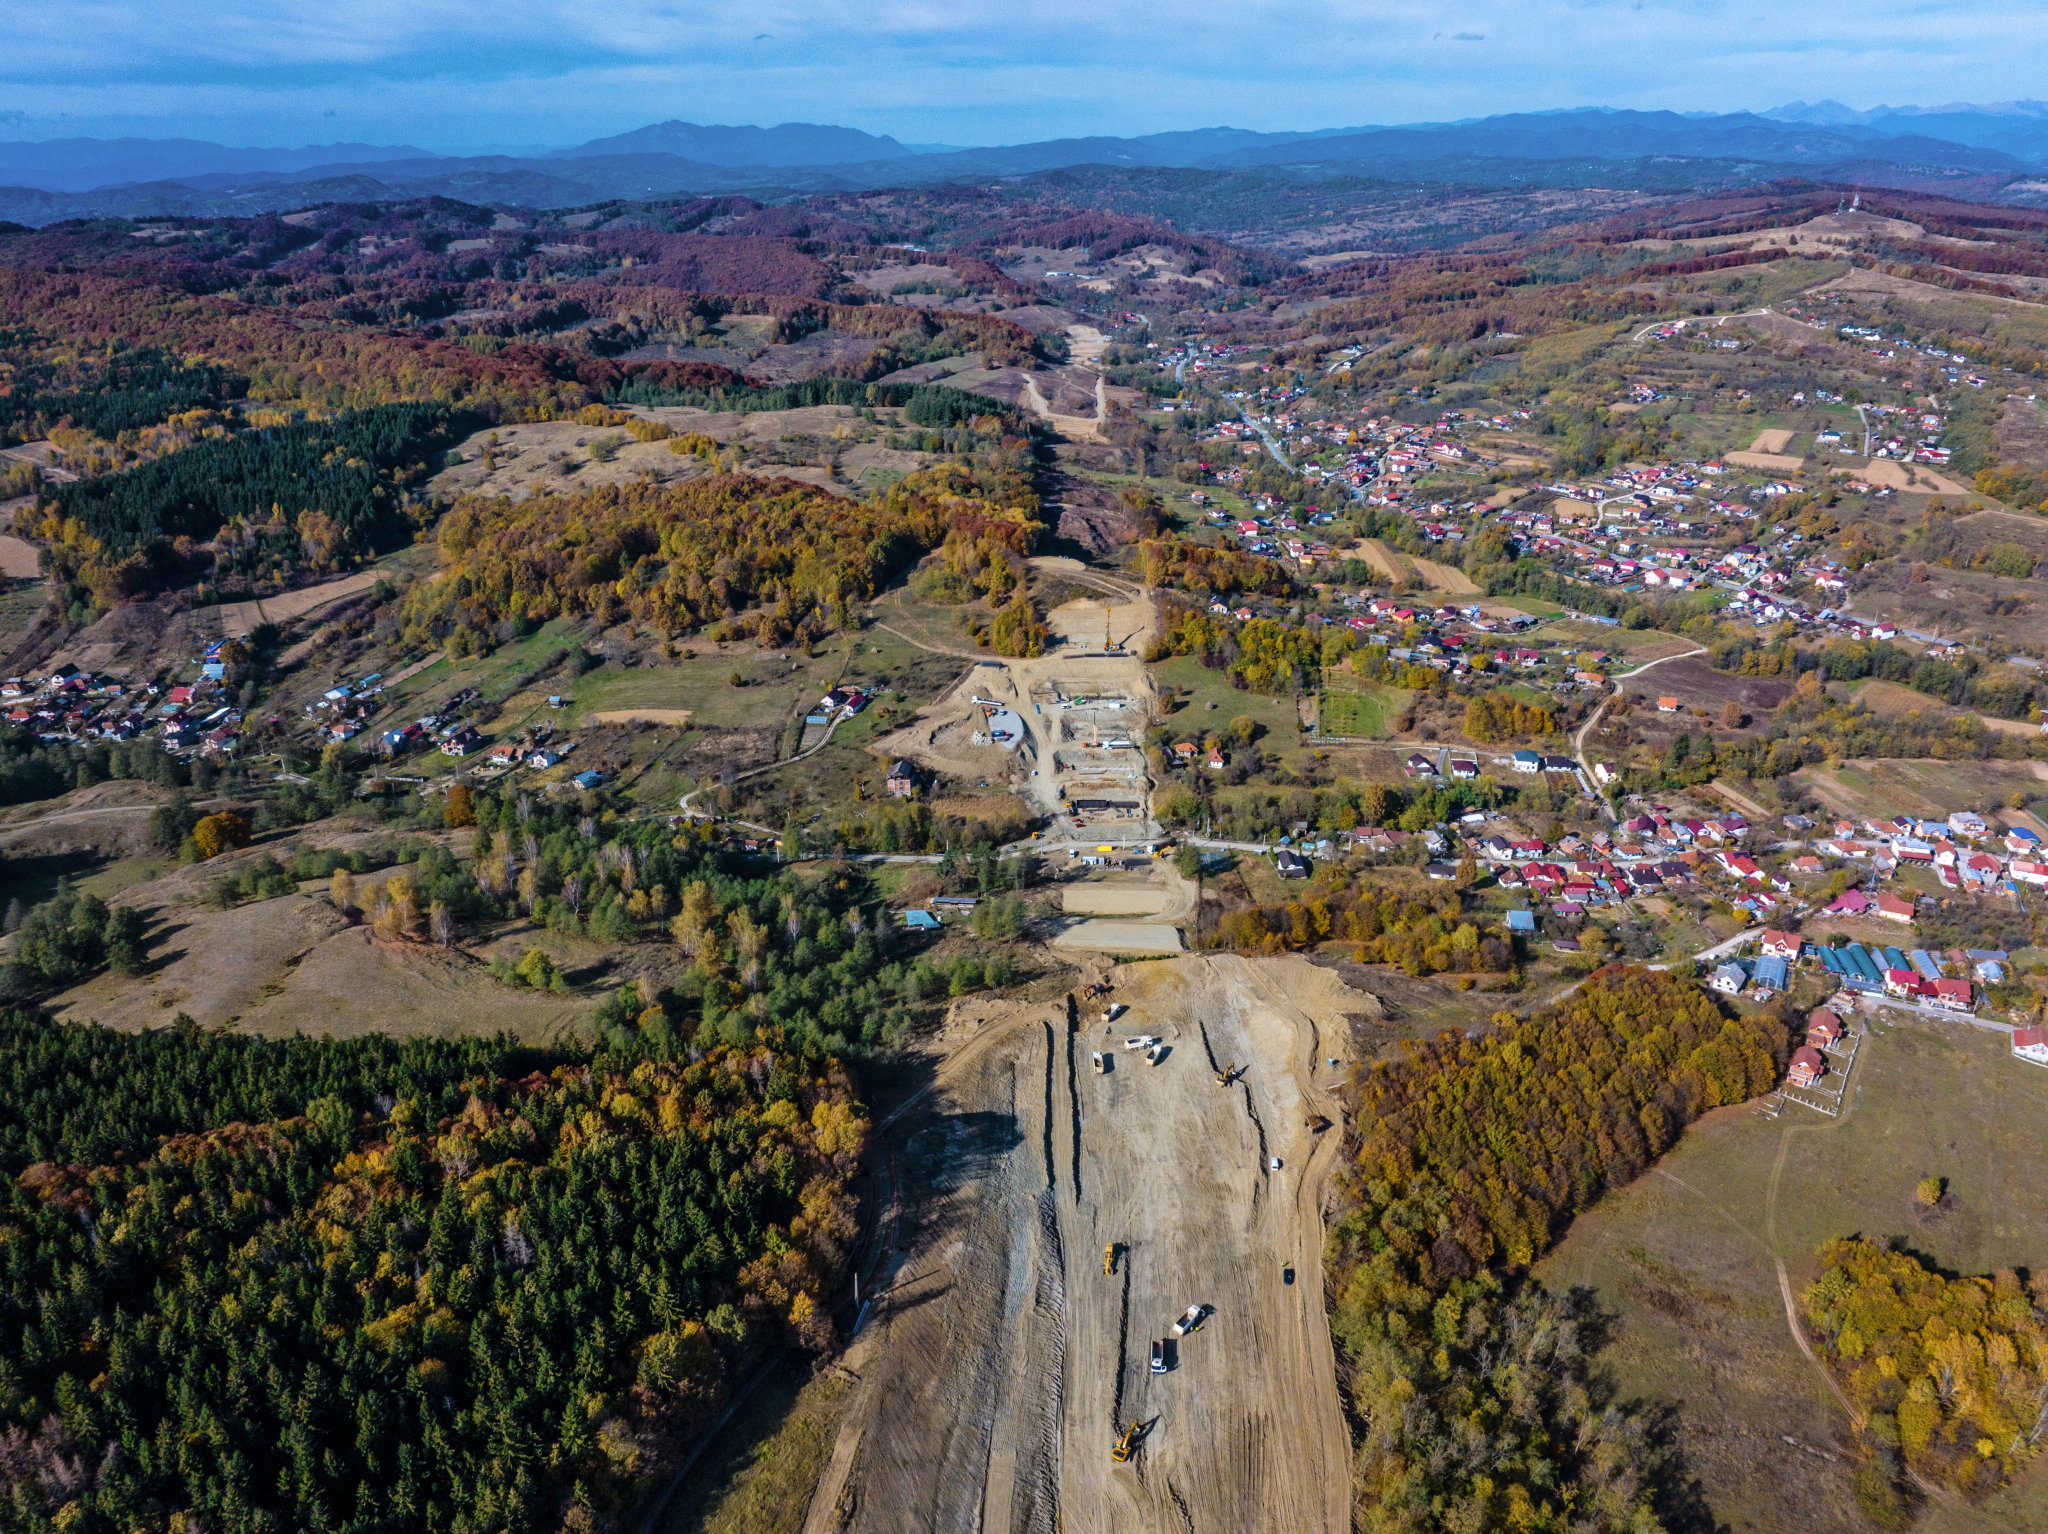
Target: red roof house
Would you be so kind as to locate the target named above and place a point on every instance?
(1808, 1066)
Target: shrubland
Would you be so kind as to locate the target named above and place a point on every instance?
(1473, 1392)
(776, 561)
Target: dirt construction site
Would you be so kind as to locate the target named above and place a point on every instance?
(1064, 730)
(998, 1362)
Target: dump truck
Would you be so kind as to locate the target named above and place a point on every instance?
(1158, 1357)
(1095, 1056)
(1115, 1010)
(1155, 1054)
(1140, 1041)
(1125, 1446)
(1190, 1320)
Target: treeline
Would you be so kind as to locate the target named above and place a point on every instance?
(32, 769)
(1949, 1374)
(256, 1285)
(350, 469)
(1424, 937)
(68, 938)
(1210, 570)
(1500, 715)
(1966, 681)
(936, 405)
(1258, 654)
(1474, 1410)
(130, 390)
(1341, 806)
(774, 560)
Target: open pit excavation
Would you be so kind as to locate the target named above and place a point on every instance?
(1063, 1203)
(1065, 732)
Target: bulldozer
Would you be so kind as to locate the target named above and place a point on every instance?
(1228, 1074)
(1125, 1446)
(1109, 1259)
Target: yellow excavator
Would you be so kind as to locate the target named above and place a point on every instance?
(1109, 1259)
(1227, 1075)
(1125, 1446)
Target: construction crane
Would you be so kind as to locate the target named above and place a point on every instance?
(1228, 1074)
(1126, 1445)
(1109, 1259)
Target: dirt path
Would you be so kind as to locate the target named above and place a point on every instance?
(240, 617)
(1002, 1357)
(1067, 425)
(1579, 740)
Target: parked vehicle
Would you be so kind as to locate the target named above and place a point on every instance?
(1095, 1055)
(1158, 1357)
(1190, 1321)
(1140, 1041)
(1155, 1054)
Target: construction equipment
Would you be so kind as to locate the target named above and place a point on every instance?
(1125, 1446)
(1191, 1320)
(1096, 1056)
(1227, 1075)
(1109, 1259)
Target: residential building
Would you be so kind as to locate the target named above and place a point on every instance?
(1808, 1066)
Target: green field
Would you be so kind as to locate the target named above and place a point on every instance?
(1366, 715)
(1685, 1258)
(1278, 718)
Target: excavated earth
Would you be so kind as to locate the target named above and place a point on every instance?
(999, 1361)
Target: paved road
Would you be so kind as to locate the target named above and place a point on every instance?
(1926, 1009)
(1267, 438)
(1722, 950)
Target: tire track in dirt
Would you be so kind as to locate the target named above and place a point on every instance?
(1123, 1347)
(1049, 1336)
(1251, 1112)
(1074, 1094)
(1045, 1118)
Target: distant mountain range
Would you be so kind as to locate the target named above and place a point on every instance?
(42, 183)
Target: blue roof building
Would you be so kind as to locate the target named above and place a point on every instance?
(1521, 921)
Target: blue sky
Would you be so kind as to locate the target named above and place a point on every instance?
(446, 75)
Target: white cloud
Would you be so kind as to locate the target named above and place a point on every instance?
(547, 70)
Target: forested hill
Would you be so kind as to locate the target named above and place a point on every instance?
(254, 1286)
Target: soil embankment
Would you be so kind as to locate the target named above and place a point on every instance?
(1001, 1360)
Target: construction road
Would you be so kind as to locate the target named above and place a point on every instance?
(999, 1362)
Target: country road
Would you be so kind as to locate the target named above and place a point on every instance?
(1579, 740)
